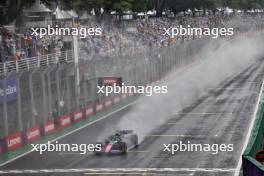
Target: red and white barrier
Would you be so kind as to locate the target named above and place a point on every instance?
(64, 120)
(89, 111)
(123, 96)
(99, 107)
(116, 99)
(33, 134)
(77, 116)
(49, 127)
(14, 141)
(108, 102)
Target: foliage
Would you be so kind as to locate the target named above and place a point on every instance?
(12, 9)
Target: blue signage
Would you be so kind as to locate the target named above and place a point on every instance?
(8, 89)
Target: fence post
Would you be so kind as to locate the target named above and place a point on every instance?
(47, 58)
(32, 101)
(66, 56)
(17, 68)
(19, 111)
(5, 71)
(93, 92)
(38, 60)
(44, 95)
(27, 60)
(58, 89)
(68, 95)
(6, 130)
(49, 91)
(85, 91)
(76, 67)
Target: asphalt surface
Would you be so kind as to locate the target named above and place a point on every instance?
(221, 116)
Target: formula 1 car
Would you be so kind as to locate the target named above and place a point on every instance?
(118, 143)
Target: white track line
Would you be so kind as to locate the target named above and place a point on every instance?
(109, 170)
(248, 133)
(202, 113)
(120, 173)
(71, 132)
(228, 89)
(175, 135)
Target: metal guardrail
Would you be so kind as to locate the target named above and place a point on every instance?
(36, 62)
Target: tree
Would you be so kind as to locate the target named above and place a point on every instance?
(158, 6)
(139, 5)
(11, 9)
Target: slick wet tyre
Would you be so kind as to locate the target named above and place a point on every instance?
(124, 148)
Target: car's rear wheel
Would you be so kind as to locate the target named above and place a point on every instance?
(136, 141)
(123, 148)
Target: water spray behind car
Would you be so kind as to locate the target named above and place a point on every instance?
(187, 85)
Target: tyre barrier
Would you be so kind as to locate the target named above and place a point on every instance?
(19, 139)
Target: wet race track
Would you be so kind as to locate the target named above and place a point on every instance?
(221, 116)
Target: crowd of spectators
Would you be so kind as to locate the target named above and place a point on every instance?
(143, 33)
(18, 46)
(148, 33)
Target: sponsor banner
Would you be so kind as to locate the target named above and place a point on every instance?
(123, 96)
(14, 141)
(109, 81)
(116, 99)
(89, 111)
(108, 103)
(33, 134)
(99, 107)
(64, 120)
(130, 94)
(8, 89)
(49, 127)
(77, 116)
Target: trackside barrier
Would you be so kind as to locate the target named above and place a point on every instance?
(116, 99)
(48, 127)
(33, 134)
(99, 106)
(64, 120)
(89, 111)
(123, 96)
(78, 116)
(251, 167)
(15, 141)
(108, 102)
